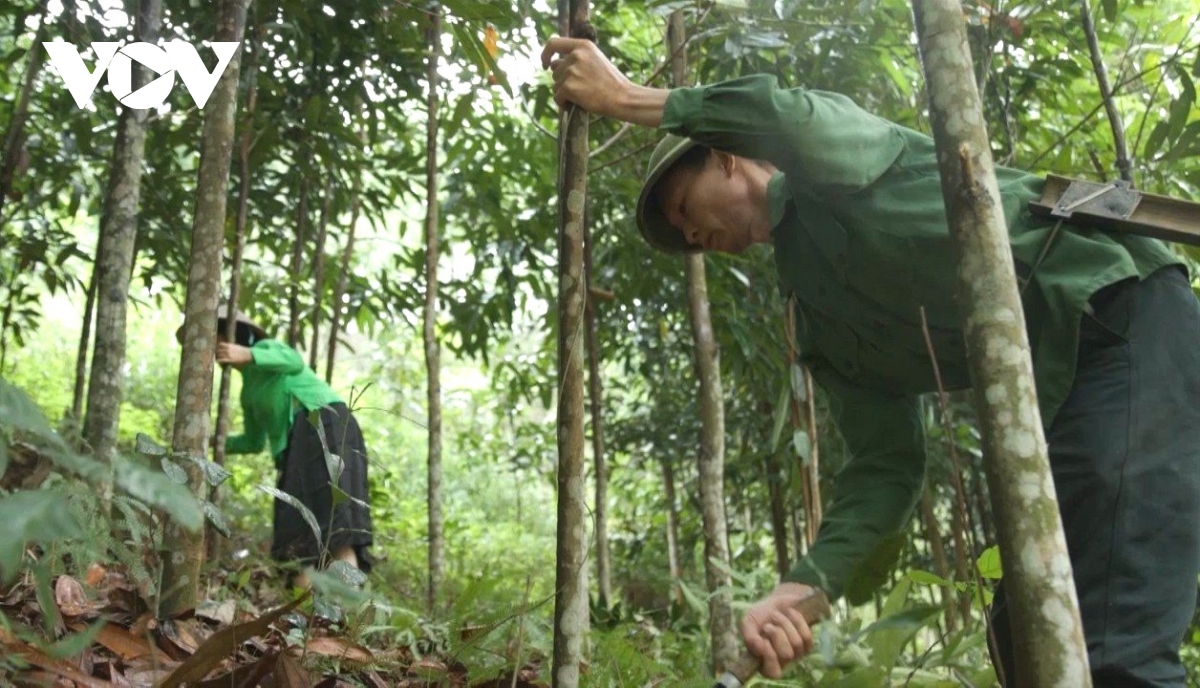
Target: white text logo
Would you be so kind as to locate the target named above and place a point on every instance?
(174, 56)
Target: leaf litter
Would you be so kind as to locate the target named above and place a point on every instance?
(222, 644)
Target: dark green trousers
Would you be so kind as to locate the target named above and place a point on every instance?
(1125, 452)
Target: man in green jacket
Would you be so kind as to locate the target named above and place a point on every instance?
(853, 207)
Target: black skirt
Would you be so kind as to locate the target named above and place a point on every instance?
(305, 476)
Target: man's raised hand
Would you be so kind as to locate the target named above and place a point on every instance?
(585, 77)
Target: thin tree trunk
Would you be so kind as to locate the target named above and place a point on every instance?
(319, 274)
(432, 352)
(339, 290)
(673, 567)
(571, 574)
(1124, 165)
(804, 422)
(14, 138)
(985, 514)
(779, 524)
(118, 232)
(85, 340)
(963, 572)
(937, 549)
(712, 421)
(181, 568)
(595, 390)
(1047, 633)
(293, 333)
(235, 283)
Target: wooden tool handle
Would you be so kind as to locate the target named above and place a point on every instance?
(815, 608)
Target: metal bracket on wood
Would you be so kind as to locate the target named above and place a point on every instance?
(1116, 206)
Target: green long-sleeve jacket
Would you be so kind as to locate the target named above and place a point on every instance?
(274, 386)
(861, 240)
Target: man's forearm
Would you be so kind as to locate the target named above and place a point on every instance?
(641, 105)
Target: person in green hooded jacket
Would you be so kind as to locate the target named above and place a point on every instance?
(852, 205)
(281, 401)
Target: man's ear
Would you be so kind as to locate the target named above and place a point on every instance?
(726, 161)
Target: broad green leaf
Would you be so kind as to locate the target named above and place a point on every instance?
(20, 413)
(926, 578)
(174, 471)
(341, 497)
(75, 643)
(215, 517)
(803, 446)
(782, 409)
(1154, 142)
(799, 389)
(333, 462)
(989, 563)
(1110, 10)
(214, 474)
(346, 573)
(33, 516)
(156, 489)
(148, 447)
(305, 512)
(44, 593)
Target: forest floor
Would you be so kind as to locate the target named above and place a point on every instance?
(111, 638)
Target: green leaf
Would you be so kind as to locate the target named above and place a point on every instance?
(214, 474)
(989, 563)
(154, 488)
(174, 471)
(346, 573)
(1158, 136)
(20, 413)
(305, 512)
(803, 446)
(45, 598)
(33, 516)
(148, 447)
(3, 454)
(926, 578)
(781, 415)
(333, 462)
(1110, 10)
(799, 389)
(73, 645)
(341, 497)
(214, 516)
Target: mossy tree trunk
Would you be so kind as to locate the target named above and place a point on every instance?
(433, 366)
(181, 567)
(712, 421)
(1047, 633)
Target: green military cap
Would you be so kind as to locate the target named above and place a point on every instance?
(651, 220)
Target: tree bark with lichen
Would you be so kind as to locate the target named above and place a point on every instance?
(721, 625)
(181, 566)
(1047, 632)
(571, 574)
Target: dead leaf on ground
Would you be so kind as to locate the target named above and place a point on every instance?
(242, 676)
(221, 645)
(95, 575)
(71, 599)
(340, 648)
(180, 638)
(119, 641)
(222, 613)
(40, 659)
(289, 673)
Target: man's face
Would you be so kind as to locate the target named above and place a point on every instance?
(711, 205)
